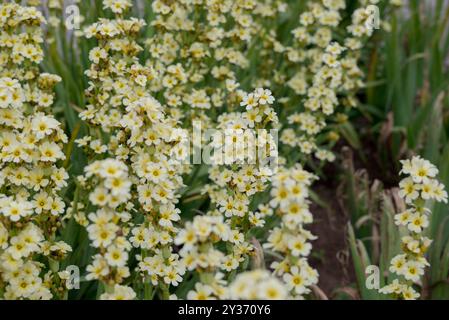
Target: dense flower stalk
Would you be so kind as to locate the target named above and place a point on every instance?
(290, 200)
(31, 149)
(131, 126)
(417, 189)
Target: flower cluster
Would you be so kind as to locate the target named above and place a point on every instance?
(257, 285)
(119, 293)
(327, 76)
(319, 73)
(245, 153)
(21, 49)
(196, 57)
(417, 189)
(108, 224)
(244, 159)
(291, 239)
(199, 239)
(132, 127)
(31, 175)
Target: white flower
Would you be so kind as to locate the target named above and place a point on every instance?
(264, 96)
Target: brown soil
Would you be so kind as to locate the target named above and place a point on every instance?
(331, 254)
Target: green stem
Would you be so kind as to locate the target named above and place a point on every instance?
(148, 289)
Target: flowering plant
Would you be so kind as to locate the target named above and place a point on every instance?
(189, 149)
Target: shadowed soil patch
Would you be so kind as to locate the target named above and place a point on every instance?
(330, 251)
